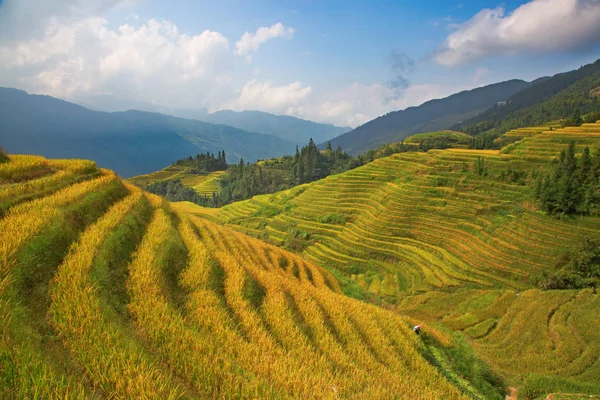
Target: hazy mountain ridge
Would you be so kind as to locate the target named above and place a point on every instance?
(130, 142)
(430, 116)
(296, 130)
(290, 128)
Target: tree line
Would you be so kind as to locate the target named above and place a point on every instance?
(577, 270)
(202, 163)
(572, 187)
(3, 157)
(244, 180)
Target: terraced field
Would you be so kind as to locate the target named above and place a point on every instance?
(455, 250)
(204, 184)
(108, 292)
(414, 222)
(544, 341)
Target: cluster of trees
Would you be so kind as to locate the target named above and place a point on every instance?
(244, 180)
(573, 185)
(310, 163)
(174, 190)
(484, 141)
(3, 156)
(579, 270)
(205, 162)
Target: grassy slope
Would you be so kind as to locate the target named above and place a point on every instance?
(109, 292)
(415, 225)
(452, 136)
(205, 184)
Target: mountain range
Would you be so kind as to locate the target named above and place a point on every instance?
(130, 142)
(296, 130)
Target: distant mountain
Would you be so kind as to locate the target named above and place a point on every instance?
(289, 128)
(296, 130)
(131, 142)
(433, 115)
(535, 104)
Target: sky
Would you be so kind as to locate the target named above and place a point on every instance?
(340, 62)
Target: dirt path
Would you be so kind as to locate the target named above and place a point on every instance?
(512, 394)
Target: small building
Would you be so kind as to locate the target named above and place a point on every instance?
(501, 103)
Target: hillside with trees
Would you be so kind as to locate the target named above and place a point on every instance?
(186, 179)
(558, 97)
(433, 115)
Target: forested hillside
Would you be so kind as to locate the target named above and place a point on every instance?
(431, 116)
(550, 99)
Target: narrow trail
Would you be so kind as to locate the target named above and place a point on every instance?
(512, 394)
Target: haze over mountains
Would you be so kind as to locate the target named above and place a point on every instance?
(138, 142)
(296, 130)
(131, 142)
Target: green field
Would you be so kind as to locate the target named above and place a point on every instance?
(204, 184)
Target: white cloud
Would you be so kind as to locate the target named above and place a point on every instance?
(540, 26)
(73, 52)
(264, 96)
(251, 41)
(152, 61)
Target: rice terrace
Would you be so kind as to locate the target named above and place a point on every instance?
(300, 200)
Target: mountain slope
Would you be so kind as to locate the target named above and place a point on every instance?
(535, 105)
(450, 244)
(433, 115)
(108, 292)
(285, 127)
(131, 142)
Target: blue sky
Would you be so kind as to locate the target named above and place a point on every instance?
(328, 61)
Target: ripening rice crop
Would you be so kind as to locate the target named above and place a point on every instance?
(107, 292)
(423, 221)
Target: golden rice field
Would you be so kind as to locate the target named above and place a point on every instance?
(415, 222)
(544, 341)
(109, 292)
(204, 184)
(453, 249)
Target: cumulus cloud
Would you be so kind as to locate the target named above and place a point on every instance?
(252, 41)
(265, 96)
(540, 26)
(153, 61)
(68, 49)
